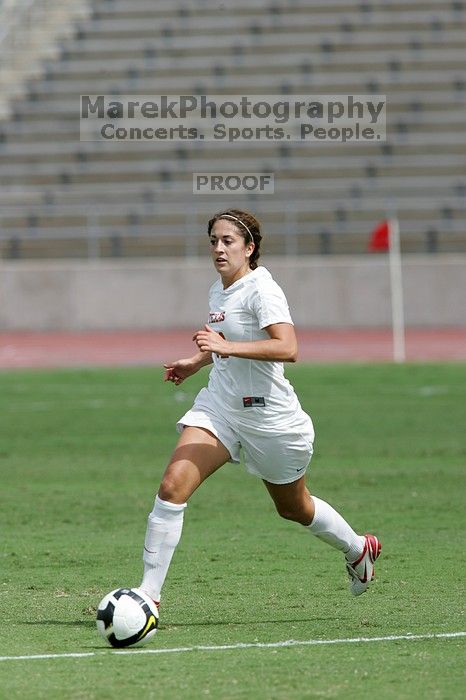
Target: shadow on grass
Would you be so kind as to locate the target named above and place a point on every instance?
(174, 624)
(60, 623)
(246, 623)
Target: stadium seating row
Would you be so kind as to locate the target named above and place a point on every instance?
(62, 196)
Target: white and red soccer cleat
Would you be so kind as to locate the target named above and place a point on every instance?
(361, 571)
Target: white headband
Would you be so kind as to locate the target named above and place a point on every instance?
(235, 218)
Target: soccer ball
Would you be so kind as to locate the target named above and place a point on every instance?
(126, 617)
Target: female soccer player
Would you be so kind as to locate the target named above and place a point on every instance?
(249, 405)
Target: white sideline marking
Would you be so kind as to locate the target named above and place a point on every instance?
(242, 645)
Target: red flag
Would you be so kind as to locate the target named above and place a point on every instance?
(380, 238)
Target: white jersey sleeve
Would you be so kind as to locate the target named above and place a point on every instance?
(268, 304)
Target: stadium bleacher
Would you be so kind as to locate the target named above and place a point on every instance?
(62, 197)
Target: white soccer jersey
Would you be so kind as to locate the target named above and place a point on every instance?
(240, 313)
(249, 404)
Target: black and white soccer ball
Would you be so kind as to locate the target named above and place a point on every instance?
(126, 617)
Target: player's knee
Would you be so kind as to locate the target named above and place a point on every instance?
(169, 490)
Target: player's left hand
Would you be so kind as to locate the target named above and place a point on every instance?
(208, 340)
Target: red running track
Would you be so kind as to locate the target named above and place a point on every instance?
(127, 348)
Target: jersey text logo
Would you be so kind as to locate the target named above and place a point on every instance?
(216, 316)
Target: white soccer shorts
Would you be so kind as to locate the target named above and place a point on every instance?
(279, 456)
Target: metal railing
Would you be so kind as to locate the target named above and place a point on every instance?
(285, 232)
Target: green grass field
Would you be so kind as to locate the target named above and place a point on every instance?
(81, 454)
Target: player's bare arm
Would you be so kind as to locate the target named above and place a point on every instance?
(281, 347)
(180, 370)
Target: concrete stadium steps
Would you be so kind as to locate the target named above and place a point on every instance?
(260, 22)
(274, 223)
(122, 7)
(118, 8)
(149, 179)
(63, 197)
(406, 120)
(176, 164)
(344, 213)
(416, 114)
(333, 80)
(172, 241)
(342, 207)
(172, 169)
(146, 81)
(271, 80)
(18, 155)
(233, 48)
(310, 61)
(304, 198)
(132, 194)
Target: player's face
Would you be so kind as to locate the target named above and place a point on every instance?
(229, 251)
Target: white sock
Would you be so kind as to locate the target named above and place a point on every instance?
(330, 527)
(164, 526)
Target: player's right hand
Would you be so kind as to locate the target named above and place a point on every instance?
(178, 371)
